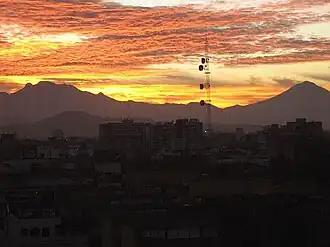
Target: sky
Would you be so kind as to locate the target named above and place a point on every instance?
(149, 50)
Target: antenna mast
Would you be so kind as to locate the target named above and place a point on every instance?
(205, 66)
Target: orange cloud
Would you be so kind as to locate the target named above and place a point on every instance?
(107, 47)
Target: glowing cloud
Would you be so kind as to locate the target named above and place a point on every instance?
(62, 38)
(150, 50)
(159, 3)
(315, 30)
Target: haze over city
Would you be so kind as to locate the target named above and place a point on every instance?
(149, 51)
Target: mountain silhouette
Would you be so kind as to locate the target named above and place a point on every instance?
(46, 99)
(41, 102)
(304, 100)
(66, 121)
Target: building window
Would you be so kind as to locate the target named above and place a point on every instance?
(24, 232)
(45, 233)
(35, 232)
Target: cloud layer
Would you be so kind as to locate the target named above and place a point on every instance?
(149, 50)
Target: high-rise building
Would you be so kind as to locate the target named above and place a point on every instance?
(282, 139)
(162, 135)
(10, 147)
(183, 134)
(188, 133)
(125, 135)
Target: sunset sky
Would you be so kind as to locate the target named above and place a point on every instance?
(149, 50)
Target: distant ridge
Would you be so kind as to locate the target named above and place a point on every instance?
(306, 100)
(87, 126)
(46, 99)
(34, 103)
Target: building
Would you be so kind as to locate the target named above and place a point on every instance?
(239, 133)
(31, 219)
(162, 135)
(299, 127)
(188, 134)
(16, 166)
(125, 135)
(281, 140)
(182, 134)
(45, 231)
(9, 146)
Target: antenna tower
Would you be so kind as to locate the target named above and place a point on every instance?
(205, 67)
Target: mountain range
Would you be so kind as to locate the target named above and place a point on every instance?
(46, 99)
(60, 105)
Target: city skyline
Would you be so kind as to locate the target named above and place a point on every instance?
(149, 50)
